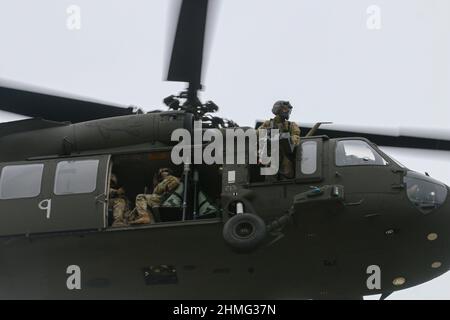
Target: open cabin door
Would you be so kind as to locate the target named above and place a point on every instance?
(309, 160)
(55, 195)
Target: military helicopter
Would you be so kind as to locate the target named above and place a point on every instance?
(350, 206)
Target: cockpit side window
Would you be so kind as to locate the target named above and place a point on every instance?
(357, 153)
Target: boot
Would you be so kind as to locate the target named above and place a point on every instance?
(142, 218)
(118, 223)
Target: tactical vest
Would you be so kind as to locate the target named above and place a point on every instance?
(283, 129)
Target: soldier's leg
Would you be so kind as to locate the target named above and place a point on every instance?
(141, 216)
(141, 203)
(119, 206)
(286, 167)
(153, 200)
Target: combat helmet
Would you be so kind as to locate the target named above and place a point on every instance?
(283, 109)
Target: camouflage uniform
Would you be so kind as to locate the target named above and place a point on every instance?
(144, 201)
(286, 165)
(117, 202)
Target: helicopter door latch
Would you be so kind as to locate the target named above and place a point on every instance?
(101, 198)
(398, 186)
(351, 204)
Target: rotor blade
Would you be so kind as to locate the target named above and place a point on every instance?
(187, 50)
(402, 137)
(51, 105)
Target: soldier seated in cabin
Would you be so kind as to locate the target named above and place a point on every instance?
(164, 184)
(118, 202)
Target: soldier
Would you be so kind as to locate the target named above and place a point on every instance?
(282, 111)
(117, 202)
(164, 183)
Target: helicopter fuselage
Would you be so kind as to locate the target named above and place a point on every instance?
(350, 207)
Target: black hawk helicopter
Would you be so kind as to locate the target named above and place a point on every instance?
(349, 207)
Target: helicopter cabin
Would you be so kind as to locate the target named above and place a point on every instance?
(60, 181)
(69, 192)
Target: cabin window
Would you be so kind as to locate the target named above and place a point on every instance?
(309, 157)
(357, 153)
(21, 181)
(74, 177)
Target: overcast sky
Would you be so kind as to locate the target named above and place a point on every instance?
(378, 62)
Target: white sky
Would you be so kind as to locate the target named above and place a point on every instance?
(319, 54)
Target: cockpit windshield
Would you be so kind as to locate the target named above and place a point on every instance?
(357, 153)
(426, 193)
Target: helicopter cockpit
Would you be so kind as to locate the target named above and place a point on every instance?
(357, 152)
(426, 193)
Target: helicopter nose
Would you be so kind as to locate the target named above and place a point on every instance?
(438, 225)
(427, 194)
(446, 207)
(446, 204)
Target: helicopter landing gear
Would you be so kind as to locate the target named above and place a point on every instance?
(244, 232)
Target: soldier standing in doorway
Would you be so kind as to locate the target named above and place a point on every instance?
(282, 111)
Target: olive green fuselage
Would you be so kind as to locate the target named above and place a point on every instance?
(323, 251)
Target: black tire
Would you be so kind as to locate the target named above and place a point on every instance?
(244, 232)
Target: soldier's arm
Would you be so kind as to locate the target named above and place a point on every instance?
(112, 192)
(172, 183)
(265, 125)
(295, 133)
(121, 191)
(160, 188)
(167, 185)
